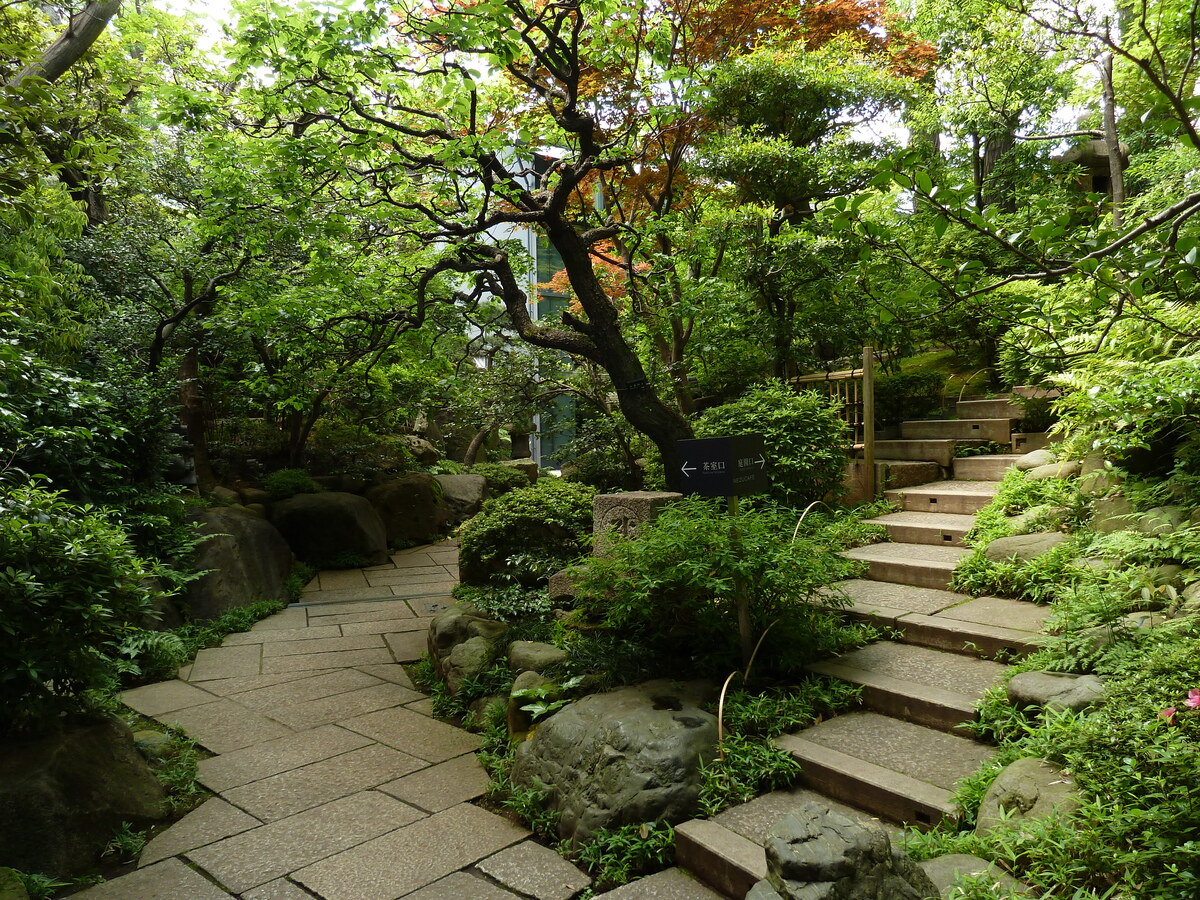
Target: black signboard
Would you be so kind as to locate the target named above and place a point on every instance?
(724, 466)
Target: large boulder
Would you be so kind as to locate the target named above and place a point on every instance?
(332, 529)
(1033, 460)
(247, 560)
(1026, 789)
(62, 797)
(1111, 514)
(410, 507)
(1055, 690)
(462, 643)
(632, 755)
(534, 656)
(1023, 547)
(1067, 469)
(528, 466)
(462, 494)
(815, 853)
(422, 450)
(11, 886)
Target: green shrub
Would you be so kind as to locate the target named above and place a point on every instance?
(673, 585)
(500, 479)
(908, 395)
(73, 588)
(284, 483)
(807, 444)
(525, 536)
(615, 856)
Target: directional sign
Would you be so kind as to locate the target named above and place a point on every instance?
(724, 466)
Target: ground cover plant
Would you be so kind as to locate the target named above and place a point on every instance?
(1133, 835)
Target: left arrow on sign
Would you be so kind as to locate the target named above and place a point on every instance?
(688, 471)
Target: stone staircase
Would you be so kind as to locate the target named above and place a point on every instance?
(897, 759)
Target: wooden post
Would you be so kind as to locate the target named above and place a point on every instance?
(868, 395)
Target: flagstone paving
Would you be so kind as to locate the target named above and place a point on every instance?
(331, 778)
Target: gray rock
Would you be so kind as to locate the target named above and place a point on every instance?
(153, 744)
(226, 495)
(815, 853)
(1097, 476)
(632, 755)
(483, 708)
(534, 656)
(763, 891)
(11, 886)
(332, 528)
(410, 507)
(466, 661)
(528, 466)
(944, 871)
(462, 494)
(520, 720)
(1043, 518)
(1111, 514)
(63, 796)
(459, 623)
(422, 450)
(623, 514)
(1139, 621)
(1054, 470)
(562, 587)
(1026, 789)
(1056, 690)
(1034, 459)
(1023, 547)
(252, 495)
(247, 560)
(1160, 520)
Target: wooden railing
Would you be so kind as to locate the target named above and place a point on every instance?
(855, 388)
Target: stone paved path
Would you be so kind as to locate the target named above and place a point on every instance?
(331, 778)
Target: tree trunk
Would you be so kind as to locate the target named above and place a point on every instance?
(1116, 168)
(82, 31)
(192, 412)
(477, 442)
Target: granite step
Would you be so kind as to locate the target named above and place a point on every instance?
(917, 564)
(945, 496)
(727, 850)
(959, 623)
(938, 529)
(1027, 442)
(890, 768)
(938, 450)
(991, 467)
(917, 684)
(991, 408)
(977, 429)
(898, 474)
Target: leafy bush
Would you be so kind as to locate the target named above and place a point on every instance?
(908, 395)
(506, 602)
(806, 442)
(674, 583)
(73, 589)
(615, 856)
(525, 536)
(284, 483)
(500, 479)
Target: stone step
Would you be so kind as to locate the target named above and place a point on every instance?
(728, 847)
(945, 496)
(1027, 442)
(723, 859)
(893, 769)
(978, 626)
(916, 564)
(1034, 391)
(917, 684)
(938, 529)
(992, 408)
(977, 429)
(938, 450)
(983, 468)
(897, 474)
